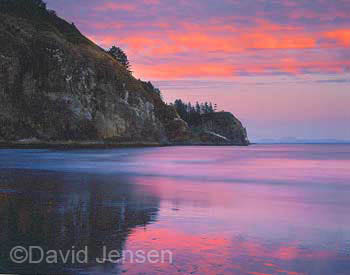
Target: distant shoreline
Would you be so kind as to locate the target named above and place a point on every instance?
(300, 143)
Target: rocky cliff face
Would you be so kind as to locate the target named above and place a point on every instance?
(56, 85)
(222, 128)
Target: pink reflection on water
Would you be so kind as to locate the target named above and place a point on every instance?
(215, 254)
(256, 210)
(254, 164)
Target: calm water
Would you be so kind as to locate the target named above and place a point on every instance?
(263, 209)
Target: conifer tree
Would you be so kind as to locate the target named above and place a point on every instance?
(120, 56)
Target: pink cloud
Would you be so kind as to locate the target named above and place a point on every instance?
(220, 47)
(341, 36)
(112, 6)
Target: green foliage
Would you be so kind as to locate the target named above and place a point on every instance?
(192, 114)
(148, 87)
(118, 54)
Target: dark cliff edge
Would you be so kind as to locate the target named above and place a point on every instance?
(59, 88)
(221, 128)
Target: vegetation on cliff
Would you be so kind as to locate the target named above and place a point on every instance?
(120, 56)
(192, 114)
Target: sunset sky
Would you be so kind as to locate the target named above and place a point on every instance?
(281, 66)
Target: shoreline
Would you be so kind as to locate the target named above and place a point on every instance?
(98, 145)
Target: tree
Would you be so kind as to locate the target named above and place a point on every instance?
(198, 108)
(118, 54)
(189, 107)
(158, 92)
(181, 108)
(202, 108)
(206, 107)
(192, 114)
(149, 87)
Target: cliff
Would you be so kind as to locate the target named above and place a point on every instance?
(56, 85)
(221, 128)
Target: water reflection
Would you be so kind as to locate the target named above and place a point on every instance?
(59, 211)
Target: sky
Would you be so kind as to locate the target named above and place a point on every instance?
(281, 66)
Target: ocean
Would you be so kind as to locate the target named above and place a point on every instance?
(262, 209)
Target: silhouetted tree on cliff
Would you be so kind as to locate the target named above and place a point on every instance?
(120, 56)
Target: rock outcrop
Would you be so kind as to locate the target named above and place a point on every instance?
(222, 128)
(57, 85)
